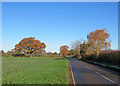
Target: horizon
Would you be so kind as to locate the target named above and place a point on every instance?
(57, 24)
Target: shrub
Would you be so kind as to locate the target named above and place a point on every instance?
(89, 57)
(112, 57)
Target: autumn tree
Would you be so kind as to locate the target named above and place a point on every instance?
(49, 53)
(9, 52)
(30, 45)
(55, 53)
(2, 52)
(98, 40)
(64, 50)
(76, 48)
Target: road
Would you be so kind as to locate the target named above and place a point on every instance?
(86, 73)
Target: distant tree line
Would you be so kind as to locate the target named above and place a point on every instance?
(97, 42)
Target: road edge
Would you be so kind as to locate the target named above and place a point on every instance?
(105, 66)
(71, 75)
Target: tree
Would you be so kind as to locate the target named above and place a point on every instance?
(9, 52)
(83, 48)
(76, 48)
(55, 53)
(98, 40)
(71, 52)
(64, 50)
(49, 53)
(29, 46)
(12, 50)
(2, 52)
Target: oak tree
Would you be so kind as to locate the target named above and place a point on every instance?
(64, 50)
(29, 46)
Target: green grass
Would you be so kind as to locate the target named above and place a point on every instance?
(42, 70)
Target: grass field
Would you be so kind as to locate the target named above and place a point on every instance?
(42, 70)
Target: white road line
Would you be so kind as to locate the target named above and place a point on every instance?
(72, 75)
(81, 63)
(105, 77)
(88, 67)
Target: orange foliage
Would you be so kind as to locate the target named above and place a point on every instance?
(30, 45)
(64, 50)
(97, 40)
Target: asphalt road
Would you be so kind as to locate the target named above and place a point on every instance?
(86, 73)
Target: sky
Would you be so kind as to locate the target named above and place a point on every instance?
(60, 0)
(57, 23)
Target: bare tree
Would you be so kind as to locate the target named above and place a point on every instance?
(75, 45)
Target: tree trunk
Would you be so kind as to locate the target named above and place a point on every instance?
(30, 55)
(97, 54)
(63, 55)
(79, 57)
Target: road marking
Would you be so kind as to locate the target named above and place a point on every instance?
(72, 75)
(98, 73)
(88, 67)
(105, 77)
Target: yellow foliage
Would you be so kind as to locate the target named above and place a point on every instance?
(97, 40)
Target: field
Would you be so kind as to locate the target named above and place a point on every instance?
(42, 70)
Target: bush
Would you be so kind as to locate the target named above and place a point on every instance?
(90, 57)
(105, 57)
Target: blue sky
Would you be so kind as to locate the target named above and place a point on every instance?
(57, 24)
(60, 0)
